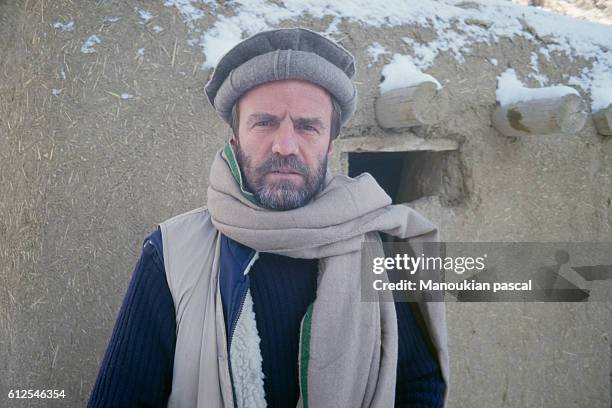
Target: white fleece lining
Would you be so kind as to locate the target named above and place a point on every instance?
(245, 355)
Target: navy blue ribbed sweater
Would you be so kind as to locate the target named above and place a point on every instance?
(136, 370)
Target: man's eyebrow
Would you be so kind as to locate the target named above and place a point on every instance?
(254, 117)
(316, 122)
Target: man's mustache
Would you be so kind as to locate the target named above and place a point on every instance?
(282, 162)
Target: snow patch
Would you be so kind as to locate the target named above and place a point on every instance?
(333, 29)
(157, 29)
(537, 75)
(140, 52)
(144, 15)
(511, 90)
(599, 81)
(375, 50)
(188, 11)
(69, 26)
(401, 72)
(56, 91)
(126, 96)
(221, 40)
(88, 45)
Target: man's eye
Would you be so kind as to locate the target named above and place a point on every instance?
(309, 128)
(264, 123)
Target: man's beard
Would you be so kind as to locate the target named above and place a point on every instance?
(282, 194)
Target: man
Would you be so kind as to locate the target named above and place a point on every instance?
(254, 300)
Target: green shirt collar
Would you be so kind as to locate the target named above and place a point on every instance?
(230, 158)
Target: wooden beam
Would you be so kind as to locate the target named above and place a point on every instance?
(392, 143)
(603, 120)
(418, 105)
(395, 143)
(566, 114)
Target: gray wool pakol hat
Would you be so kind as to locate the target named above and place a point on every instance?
(286, 53)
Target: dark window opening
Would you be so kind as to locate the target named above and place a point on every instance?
(384, 167)
(408, 176)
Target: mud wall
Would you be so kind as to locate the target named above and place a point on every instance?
(97, 148)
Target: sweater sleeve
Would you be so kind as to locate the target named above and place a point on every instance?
(419, 379)
(136, 370)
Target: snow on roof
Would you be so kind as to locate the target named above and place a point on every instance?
(457, 25)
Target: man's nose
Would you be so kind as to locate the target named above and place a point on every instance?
(285, 140)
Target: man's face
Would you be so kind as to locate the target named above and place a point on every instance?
(284, 141)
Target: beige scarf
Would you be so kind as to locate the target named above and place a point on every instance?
(348, 347)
